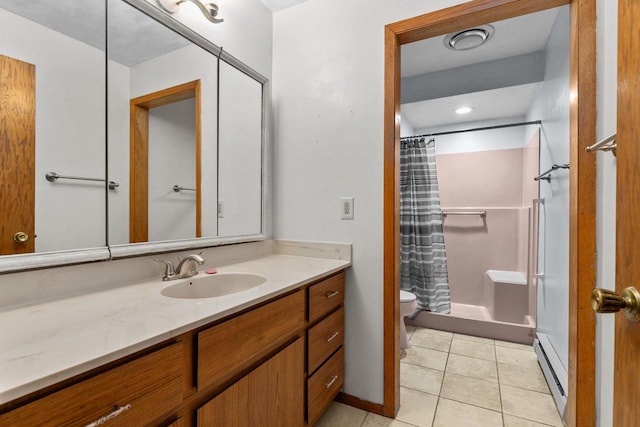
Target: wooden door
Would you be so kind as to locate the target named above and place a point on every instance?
(17, 155)
(271, 395)
(627, 351)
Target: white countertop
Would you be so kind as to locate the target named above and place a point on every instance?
(45, 343)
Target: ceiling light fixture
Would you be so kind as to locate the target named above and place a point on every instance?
(470, 38)
(464, 110)
(209, 10)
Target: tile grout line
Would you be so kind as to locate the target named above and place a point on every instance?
(495, 350)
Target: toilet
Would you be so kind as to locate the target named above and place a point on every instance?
(408, 306)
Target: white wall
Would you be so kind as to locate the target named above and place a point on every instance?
(406, 129)
(606, 203)
(240, 151)
(172, 161)
(551, 105)
(328, 75)
(70, 132)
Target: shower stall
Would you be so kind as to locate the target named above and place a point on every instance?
(489, 201)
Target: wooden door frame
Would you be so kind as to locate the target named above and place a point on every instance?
(582, 238)
(627, 334)
(139, 154)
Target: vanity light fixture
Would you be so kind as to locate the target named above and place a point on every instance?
(209, 10)
(470, 38)
(464, 110)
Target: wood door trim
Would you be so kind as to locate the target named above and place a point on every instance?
(581, 403)
(139, 159)
(627, 334)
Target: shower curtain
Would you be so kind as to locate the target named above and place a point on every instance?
(423, 259)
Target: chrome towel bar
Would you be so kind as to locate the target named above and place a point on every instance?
(480, 213)
(547, 175)
(53, 177)
(607, 144)
(178, 188)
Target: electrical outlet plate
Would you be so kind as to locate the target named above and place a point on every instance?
(346, 207)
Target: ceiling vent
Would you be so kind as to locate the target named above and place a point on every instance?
(469, 39)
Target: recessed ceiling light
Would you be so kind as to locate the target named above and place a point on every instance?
(464, 110)
(469, 38)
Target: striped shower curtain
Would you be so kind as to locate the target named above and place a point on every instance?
(423, 259)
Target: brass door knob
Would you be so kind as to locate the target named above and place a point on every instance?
(20, 237)
(605, 301)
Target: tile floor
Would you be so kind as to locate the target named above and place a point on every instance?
(453, 380)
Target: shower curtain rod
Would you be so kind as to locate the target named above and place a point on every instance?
(450, 132)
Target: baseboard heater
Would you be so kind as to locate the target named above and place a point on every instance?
(553, 369)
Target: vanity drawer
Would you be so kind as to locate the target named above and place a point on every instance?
(140, 391)
(324, 385)
(325, 338)
(226, 349)
(326, 296)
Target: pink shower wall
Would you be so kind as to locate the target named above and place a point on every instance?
(475, 245)
(483, 178)
(493, 181)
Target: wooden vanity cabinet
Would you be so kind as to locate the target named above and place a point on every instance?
(325, 339)
(133, 394)
(278, 364)
(226, 349)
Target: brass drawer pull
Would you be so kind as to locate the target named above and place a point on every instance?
(333, 294)
(332, 337)
(332, 381)
(115, 413)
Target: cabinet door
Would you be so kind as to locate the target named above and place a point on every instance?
(271, 395)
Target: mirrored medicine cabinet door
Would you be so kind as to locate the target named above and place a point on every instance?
(185, 136)
(183, 129)
(52, 126)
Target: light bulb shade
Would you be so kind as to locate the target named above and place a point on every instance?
(464, 110)
(209, 10)
(169, 6)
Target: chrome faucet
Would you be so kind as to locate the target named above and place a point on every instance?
(186, 267)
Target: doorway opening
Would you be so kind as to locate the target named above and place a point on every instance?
(140, 109)
(581, 393)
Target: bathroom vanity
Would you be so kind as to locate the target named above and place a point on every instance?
(271, 355)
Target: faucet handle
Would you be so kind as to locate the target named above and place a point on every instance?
(169, 271)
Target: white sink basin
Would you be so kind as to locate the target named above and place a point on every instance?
(215, 285)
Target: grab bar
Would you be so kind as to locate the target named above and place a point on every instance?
(607, 144)
(540, 204)
(178, 188)
(481, 213)
(53, 177)
(547, 175)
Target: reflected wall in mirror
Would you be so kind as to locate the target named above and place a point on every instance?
(240, 172)
(165, 96)
(52, 119)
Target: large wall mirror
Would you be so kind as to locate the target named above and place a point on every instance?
(52, 125)
(184, 132)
